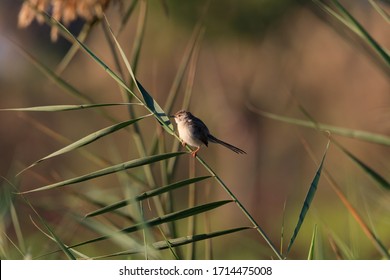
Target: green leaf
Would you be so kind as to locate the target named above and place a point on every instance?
(59, 242)
(357, 134)
(83, 34)
(58, 108)
(312, 244)
(146, 195)
(340, 249)
(164, 219)
(127, 15)
(86, 140)
(371, 172)
(155, 108)
(309, 198)
(51, 75)
(108, 170)
(161, 245)
(380, 10)
(116, 236)
(382, 249)
(360, 31)
(152, 105)
(176, 242)
(68, 34)
(342, 15)
(55, 238)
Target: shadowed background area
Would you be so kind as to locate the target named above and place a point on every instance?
(283, 57)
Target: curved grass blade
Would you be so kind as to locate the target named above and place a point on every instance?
(63, 247)
(86, 140)
(137, 135)
(117, 236)
(351, 133)
(191, 51)
(161, 220)
(127, 15)
(73, 251)
(360, 31)
(312, 244)
(309, 198)
(161, 245)
(99, 204)
(176, 242)
(339, 248)
(146, 195)
(240, 206)
(171, 243)
(59, 108)
(282, 228)
(380, 10)
(7, 207)
(51, 75)
(371, 172)
(59, 242)
(343, 16)
(150, 103)
(84, 33)
(17, 227)
(99, 161)
(367, 231)
(155, 108)
(109, 170)
(138, 38)
(188, 86)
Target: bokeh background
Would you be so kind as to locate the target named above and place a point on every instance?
(272, 55)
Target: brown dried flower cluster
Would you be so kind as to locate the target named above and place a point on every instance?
(64, 11)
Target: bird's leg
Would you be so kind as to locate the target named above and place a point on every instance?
(193, 153)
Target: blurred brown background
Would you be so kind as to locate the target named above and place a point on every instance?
(271, 54)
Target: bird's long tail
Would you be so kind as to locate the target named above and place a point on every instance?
(227, 145)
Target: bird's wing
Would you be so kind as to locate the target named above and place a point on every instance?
(200, 130)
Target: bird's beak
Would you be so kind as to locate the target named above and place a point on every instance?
(172, 116)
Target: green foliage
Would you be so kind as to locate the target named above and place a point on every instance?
(140, 211)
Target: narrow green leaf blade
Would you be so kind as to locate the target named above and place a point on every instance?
(53, 22)
(312, 244)
(59, 242)
(152, 105)
(155, 108)
(371, 172)
(309, 198)
(380, 10)
(146, 195)
(51, 75)
(161, 245)
(56, 239)
(164, 219)
(176, 242)
(87, 140)
(59, 108)
(108, 170)
(383, 53)
(351, 133)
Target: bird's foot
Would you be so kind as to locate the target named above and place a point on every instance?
(193, 153)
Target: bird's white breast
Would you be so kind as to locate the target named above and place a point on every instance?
(187, 135)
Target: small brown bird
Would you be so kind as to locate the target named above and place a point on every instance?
(195, 133)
